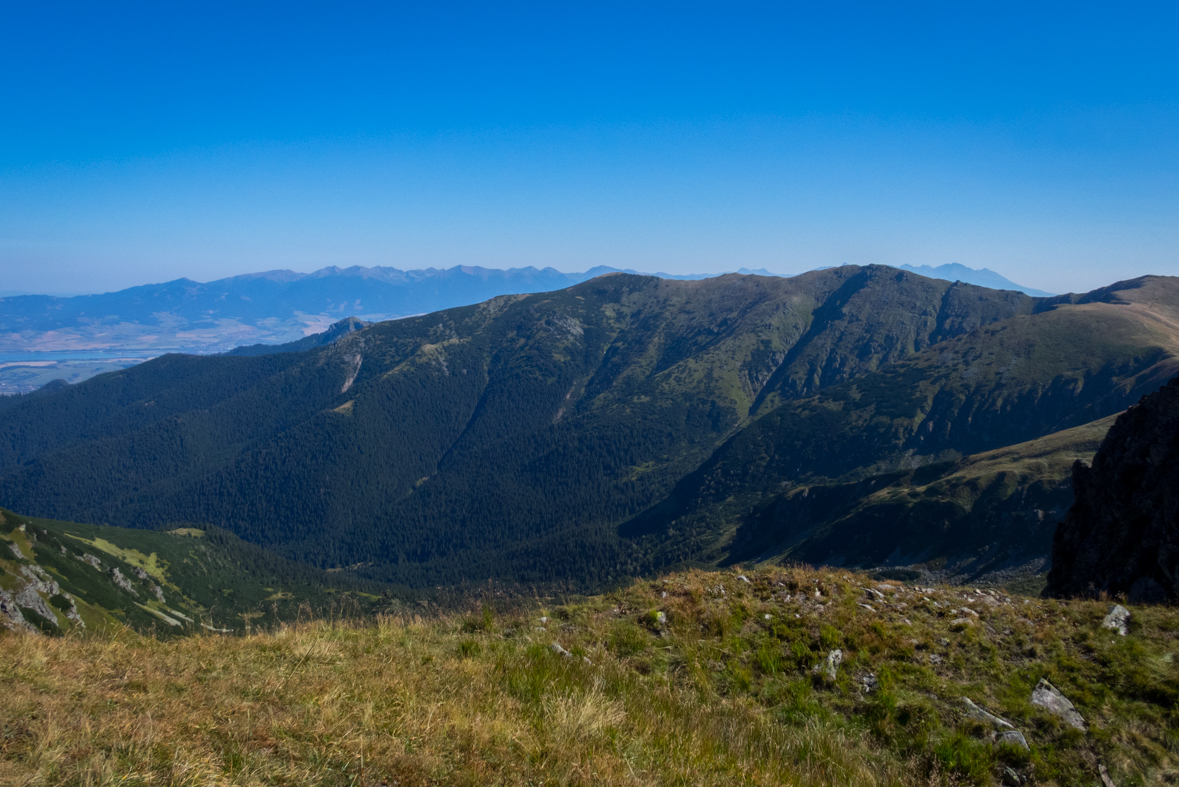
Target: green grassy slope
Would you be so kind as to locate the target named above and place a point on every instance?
(700, 678)
(1000, 385)
(92, 578)
(988, 517)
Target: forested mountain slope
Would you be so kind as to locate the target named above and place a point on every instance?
(1074, 360)
(61, 577)
(512, 438)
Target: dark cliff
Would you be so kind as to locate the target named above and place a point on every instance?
(1122, 533)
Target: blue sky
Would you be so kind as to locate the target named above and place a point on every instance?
(147, 142)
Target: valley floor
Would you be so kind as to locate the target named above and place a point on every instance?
(698, 678)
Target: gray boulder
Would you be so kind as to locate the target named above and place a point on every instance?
(1048, 697)
(1118, 620)
(830, 665)
(978, 714)
(1013, 738)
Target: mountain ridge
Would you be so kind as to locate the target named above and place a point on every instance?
(273, 307)
(513, 438)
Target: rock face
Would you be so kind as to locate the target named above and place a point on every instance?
(1122, 533)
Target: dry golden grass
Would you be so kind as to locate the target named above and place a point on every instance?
(343, 704)
(481, 701)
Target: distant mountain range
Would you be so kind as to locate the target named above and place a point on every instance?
(983, 278)
(284, 306)
(851, 416)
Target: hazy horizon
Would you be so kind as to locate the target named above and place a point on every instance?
(310, 271)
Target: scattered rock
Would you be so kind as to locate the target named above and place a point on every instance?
(16, 550)
(660, 619)
(1011, 778)
(159, 593)
(958, 624)
(1013, 738)
(139, 572)
(979, 714)
(90, 560)
(830, 664)
(869, 683)
(560, 651)
(1105, 780)
(876, 594)
(744, 579)
(1118, 620)
(542, 621)
(1048, 697)
(866, 606)
(935, 658)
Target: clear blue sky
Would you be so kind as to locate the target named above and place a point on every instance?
(147, 142)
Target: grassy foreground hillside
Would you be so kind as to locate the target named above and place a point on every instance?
(699, 678)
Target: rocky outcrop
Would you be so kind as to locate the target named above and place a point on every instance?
(10, 614)
(1121, 536)
(122, 581)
